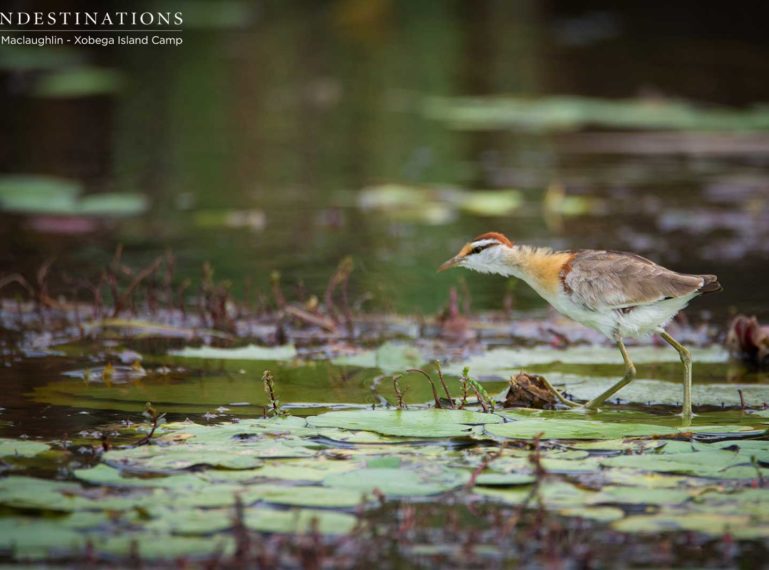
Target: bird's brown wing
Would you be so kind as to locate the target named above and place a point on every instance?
(613, 280)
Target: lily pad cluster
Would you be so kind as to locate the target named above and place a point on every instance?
(320, 474)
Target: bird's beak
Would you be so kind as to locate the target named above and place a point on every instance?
(453, 262)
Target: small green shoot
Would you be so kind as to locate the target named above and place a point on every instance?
(269, 387)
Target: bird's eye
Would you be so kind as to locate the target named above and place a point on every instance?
(478, 249)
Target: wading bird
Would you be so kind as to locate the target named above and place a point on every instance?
(618, 294)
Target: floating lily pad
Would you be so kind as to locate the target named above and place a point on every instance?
(31, 539)
(390, 357)
(498, 360)
(568, 113)
(665, 522)
(21, 447)
(411, 423)
(491, 202)
(310, 496)
(402, 482)
(640, 496)
(300, 521)
(715, 463)
(41, 494)
(38, 194)
(492, 479)
(175, 457)
(315, 470)
(105, 475)
(156, 546)
(113, 204)
(573, 429)
(250, 352)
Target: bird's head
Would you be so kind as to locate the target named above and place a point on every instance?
(484, 254)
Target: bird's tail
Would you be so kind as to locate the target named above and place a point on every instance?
(710, 284)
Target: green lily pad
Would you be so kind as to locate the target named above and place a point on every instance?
(105, 475)
(31, 493)
(492, 479)
(599, 514)
(714, 524)
(305, 496)
(250, 352)
(315, 470)
(300, 521)
(568, 113)
(713, 463)
(640, 496)
(21, 447)
(402, 482)
(491, 202)
(554, 494)
(504, 361)
(113, 204)
(38, 194)
(156, 546)
(390, 357)
(410, 423)
(572, 429)
(182, 456)
(32, 539)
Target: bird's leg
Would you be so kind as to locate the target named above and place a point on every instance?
(626, 379)
(686, 359)
(558, 396)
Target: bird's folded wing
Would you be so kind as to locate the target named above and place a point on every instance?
(615, 280)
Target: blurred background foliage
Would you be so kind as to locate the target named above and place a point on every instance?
(287, 134)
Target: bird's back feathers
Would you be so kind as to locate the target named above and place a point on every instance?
(615, 280)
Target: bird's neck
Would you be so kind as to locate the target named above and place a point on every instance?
(540, 267)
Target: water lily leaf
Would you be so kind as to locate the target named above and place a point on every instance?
(644, 391)
(491, 202)
(572, 429)
(504, 361)
(105, 475)
(492, 479)
(411, 423)
(699, 522)
(390, 357)
(567, 113)
(304, 496)
(33, 539)
(300, 521)
(554, 494)
(749, 448)
(699, 463)
(182, 456)
(156, 546)
(599, 514)
(640, 496)
(38, 194)
(635, 478)
(113, 204)
(21, 447)
(189, 521)
(43, 494)
(315, 470)
(635, 445)
(250, 352)
(399, 482)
